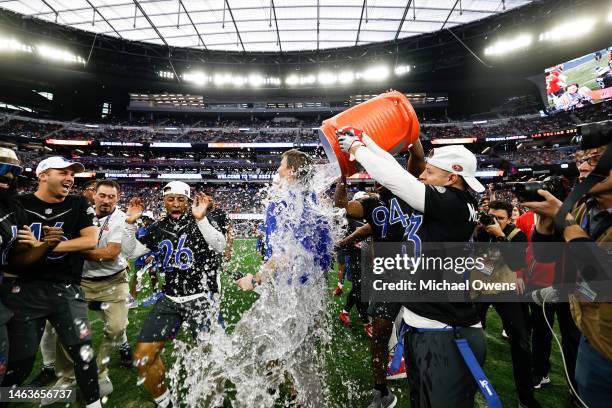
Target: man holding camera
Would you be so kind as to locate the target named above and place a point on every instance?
(588, 222)
(495, 227)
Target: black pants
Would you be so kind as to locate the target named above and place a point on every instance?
(515, 319)
(437, 374)
(354, 296)
(541, 337)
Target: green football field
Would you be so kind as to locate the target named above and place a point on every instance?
(348, 374)
(584, 74)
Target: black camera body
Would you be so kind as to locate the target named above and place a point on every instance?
(486, 219)
(528, 191)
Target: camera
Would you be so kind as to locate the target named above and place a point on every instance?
(486, 219)
(528, 191)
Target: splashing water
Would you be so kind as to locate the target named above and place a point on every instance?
(275, 344)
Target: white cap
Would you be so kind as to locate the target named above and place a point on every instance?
(177, 187)
(9, 156)
(58, 162)
(360, 195)
(148, 214)
(459, 160)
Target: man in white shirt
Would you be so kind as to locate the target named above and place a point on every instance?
(105, 281)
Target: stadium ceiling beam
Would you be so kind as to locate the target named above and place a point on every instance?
(365, 2)
(399, 29)
(235, 25)
(449, 14)
(282, 6)
(276, 22)
(318, 23)
(52, 9)
(193, 25)
(103, 18)
(150, 22)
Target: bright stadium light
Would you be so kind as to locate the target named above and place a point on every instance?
(504, 46)
(58, 54)
(222, 79)
(569, 30)
(12, 45)
(197, 77)
(292, 80)
(273, 81)
(307, 80)
(239, 81)
(346, 77)
(166, 74)
(402, 70)
(256, 80)
(327, 78)
(376, 73)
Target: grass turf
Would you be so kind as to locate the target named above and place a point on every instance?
(348, 373)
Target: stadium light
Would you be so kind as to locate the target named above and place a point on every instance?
(402, 70)
(256, 80)
(327, 78)
(569, 30)
(239, 81)
(346, 77)
(292, 80)
(166, 74)
(58, 54)
(376, 73)
(11, 45)
(222, 79)
(196, 77)
(504, 46)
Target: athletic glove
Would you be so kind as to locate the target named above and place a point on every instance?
(349, 137)
(547, 294)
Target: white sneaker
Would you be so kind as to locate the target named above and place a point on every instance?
(106, 386)
(62, 383)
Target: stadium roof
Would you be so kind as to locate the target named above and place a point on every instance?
(261, 25)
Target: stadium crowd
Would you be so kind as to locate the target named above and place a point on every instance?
(244, 131)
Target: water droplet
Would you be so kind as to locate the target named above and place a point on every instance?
(87, 353)
(104, 399)
(104, 306)
(16, 289)
(105, 360)
(141, 380)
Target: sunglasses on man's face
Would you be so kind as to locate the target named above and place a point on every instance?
(10, 168)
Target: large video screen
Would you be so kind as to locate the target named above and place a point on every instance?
(580, 82)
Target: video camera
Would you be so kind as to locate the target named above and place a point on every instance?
(485, 218)
(528, 191)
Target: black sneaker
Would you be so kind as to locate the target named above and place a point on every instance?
(44, 378)
(126, 357)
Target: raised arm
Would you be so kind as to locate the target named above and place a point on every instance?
(383, 167)
(214, 238)
(354, 209)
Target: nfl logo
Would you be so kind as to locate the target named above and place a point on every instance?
(48, 211)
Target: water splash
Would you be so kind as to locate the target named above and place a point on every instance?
(273, 351)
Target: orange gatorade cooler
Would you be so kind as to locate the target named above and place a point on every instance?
(388, 119)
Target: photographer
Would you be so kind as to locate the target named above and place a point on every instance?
(496, 227)
(588, 222)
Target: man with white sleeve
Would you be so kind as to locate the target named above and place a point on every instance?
(436, 207)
